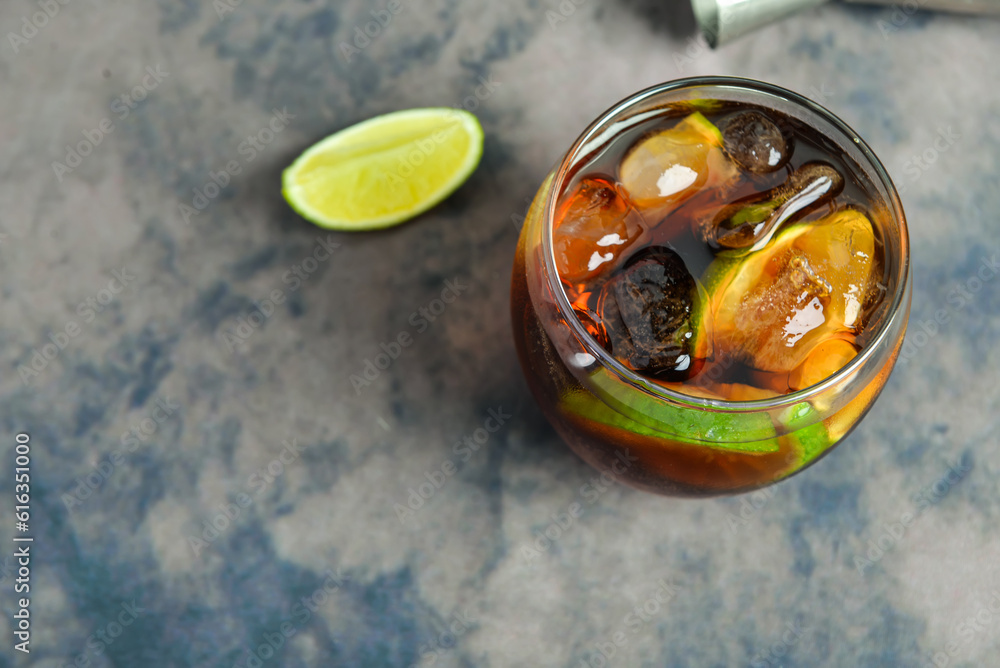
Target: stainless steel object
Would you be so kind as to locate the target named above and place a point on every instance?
(985, 7)
(722, 21)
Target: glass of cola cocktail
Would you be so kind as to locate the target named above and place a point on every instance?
(711, 288)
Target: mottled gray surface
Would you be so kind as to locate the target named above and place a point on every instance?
(735, 589)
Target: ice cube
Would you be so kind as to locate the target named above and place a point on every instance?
(595, 223)
(772, 308)
(647, 312)
(755, 143)
(750, 224)
(664, 169)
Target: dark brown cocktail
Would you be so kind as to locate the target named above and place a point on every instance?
(715, 281)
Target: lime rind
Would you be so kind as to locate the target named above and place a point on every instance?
(628, 408)
(706, 106)
(691, 426)
(745, 432)
(703, 126)
(364, 139)
(806, 431)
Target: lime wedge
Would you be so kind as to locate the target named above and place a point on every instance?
(750, 433)
(808, 434)
(633, 410)
(753, 299)
(385, 170)
(698, 123)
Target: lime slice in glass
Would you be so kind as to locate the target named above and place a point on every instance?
(633, 410)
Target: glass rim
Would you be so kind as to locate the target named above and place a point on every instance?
(633, 378)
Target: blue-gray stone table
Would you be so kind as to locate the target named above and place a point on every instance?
(210, 488)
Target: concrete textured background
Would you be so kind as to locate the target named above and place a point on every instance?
(313, 567)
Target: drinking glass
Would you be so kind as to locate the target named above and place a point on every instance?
(653, 437)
